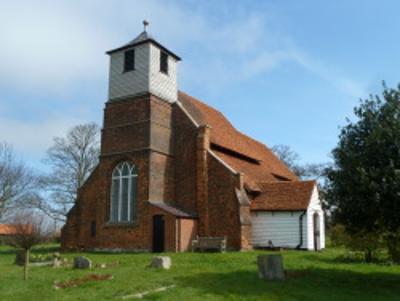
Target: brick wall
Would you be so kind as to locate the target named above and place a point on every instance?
(203, 144)
(171, 156)
(185, 137)
(223, 207)
(187, 231)
(126, 125)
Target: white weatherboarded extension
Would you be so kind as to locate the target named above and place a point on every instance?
(290, 229)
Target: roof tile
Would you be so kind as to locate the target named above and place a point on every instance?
(7, 229)
(262, 165)
(294, 195)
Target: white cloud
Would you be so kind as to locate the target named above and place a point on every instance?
(52, 47)
(34, 138)
(266, 62)
(48, 47)
(329, 73)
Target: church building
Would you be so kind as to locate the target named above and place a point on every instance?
(173, 168)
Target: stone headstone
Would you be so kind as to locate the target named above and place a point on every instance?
(163, 262)
(57, 263)
(20, 257)
(270, 267)
(82, 262)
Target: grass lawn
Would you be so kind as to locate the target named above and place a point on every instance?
(230, 276)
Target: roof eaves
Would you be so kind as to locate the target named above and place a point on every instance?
(149, 40)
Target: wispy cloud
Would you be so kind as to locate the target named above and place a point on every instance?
(55, 45)
(34, 137)
(332, 75)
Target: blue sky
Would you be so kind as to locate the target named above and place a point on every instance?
(284, 72)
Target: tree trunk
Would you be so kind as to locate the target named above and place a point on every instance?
(368, 256)
(26, 265)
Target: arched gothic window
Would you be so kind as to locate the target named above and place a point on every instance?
(123, 193)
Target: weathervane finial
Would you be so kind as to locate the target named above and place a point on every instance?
(145, 24)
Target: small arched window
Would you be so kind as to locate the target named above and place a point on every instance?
(123, 193)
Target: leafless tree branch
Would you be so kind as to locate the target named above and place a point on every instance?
(72, 159)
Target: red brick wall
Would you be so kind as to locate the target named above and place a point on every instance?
(161, 177)
(125, 111)
(69, 232)
(173, 166)
(203, 144)
(126, 125)
(185, 137)
(94, 205)
(223, 207)
(187, 230)
(161, 138)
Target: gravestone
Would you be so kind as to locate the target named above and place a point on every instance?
(163, 262)
(20, 257)
(57, 263)
(270, 267)
(82, 262)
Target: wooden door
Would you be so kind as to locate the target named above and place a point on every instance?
(158, 233)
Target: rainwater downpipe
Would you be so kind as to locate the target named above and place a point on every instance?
(301, 229)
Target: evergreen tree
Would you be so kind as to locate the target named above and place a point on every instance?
(364, 184)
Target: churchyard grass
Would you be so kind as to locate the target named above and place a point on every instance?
(205, 276)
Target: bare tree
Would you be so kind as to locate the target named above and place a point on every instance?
(18, 183)
(288, 156)
(291, 159)
(30, 229)
(72, 159)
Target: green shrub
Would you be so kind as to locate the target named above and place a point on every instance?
(393, 245)
(366, 242)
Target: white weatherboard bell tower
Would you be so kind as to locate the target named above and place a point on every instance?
(143, 66)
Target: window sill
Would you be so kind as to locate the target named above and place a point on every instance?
(127, 71)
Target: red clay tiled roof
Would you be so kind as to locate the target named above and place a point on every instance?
(293, 195)
(258, 163)
(7, 229)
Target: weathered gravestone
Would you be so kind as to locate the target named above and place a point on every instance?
(20, 257)
(82, 262)
(163, 262)
(57, 263)
(270, 267)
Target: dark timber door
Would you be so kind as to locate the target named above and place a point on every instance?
(158, 233)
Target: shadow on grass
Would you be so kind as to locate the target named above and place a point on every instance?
(311, 284)
(382, 259)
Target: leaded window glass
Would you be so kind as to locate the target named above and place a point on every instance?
(123, 193)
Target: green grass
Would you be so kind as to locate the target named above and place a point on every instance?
(230, 276)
